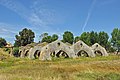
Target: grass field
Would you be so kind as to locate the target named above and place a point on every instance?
(83, 68)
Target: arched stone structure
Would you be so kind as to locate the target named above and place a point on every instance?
(81, 46)
(55, 46)
(98, 48)
(33, 50)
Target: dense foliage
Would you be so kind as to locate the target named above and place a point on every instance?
(26, 36)
(92, 37)
(16, 51)
(49, 39)
(68, 37)
(115, 40)
(2, 42)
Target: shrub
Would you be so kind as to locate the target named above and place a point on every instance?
(16, 52)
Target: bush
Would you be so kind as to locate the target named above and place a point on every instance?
(16, 52)
(2, 42)
(7, 50)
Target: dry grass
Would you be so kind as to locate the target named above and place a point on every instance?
(99, 68)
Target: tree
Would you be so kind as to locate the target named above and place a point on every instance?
(68, 37)
(47, 39)
(77, 38)
(42, 36)
(50, 39)
(115, 40)
(85, 37)
(54, 37)
(2, 42)
(93, 37)
(103, 39)
(26, 36)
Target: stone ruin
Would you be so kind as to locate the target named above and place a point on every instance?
(99, 49)
(55, 47)
(81, 48)
(45, 51)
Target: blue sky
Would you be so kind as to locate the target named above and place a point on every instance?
(57, 16)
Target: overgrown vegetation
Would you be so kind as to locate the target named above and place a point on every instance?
(2, 42)
(26, 36)
(83, 68)
(46, 38)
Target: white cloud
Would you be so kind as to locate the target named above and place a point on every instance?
(4, 27)
(8, 31)
(37, 16)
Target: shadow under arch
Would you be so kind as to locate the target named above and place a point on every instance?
(98, 53)
(62, 53)
(37, 54)
(19, 53)
(82, 53)
(26, 53)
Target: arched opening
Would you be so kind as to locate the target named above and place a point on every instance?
(37, 54)
(62, 54)
(26, 53)
(52, 54)
(82, 53)
(98, 53)
(19, 53)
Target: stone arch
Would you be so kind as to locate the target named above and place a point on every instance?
(34, 52)
(98, 53)
(81, 46)
(26, 53)
(62, 53)
(19, 52)
(82, 53)
(99, 49)
(37, 54)
(53, 47)
(22, 51)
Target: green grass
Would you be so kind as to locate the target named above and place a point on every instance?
(82, 68)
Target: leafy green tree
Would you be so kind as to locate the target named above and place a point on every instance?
(109, 47)
(77, 38)
(93, 37)
(26, 36)
(16, 51)
(68, 37)
(54, 37)
(42, 36)
(103, 39)
(85, 37)
(2, 42)
(115, 40)
(50, 39)
(47, 39)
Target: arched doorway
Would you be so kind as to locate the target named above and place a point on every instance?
(26, 53)
(82, 53)
(98, 53)
(37, 54)
(62, 54)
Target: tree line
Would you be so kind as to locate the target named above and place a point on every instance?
(26, 36)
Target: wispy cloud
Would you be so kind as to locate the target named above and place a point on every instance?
(89, 15)
(7, 28)
(37, 16)
(8, 31)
